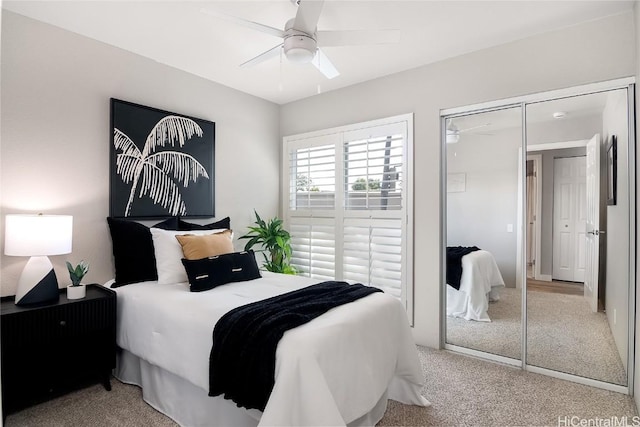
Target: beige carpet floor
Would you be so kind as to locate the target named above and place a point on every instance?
(463, 391)
(563, 334)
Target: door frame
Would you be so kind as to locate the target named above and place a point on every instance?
(537, 230)
(627, 83)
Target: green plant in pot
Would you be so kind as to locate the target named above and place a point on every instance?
(275, 241)
(77, 290)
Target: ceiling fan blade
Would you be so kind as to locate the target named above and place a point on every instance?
(358, 37)
(324, 65)
(271, 53)
(475, 127)
(308, 15)
(245, 23)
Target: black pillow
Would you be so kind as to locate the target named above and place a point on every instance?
(168, 224)
(133, 254)
(175, 223)
(207, 273)
(187, 226)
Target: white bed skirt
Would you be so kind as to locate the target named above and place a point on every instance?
(191, 406)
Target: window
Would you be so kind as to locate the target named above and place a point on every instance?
(349, 209)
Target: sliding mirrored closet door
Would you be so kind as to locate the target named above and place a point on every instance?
(538, 230)
(481, 183)
(578, 290)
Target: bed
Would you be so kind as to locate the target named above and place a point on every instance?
(480, 283)
(338, 369)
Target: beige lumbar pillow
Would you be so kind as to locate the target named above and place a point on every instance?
(198, 247)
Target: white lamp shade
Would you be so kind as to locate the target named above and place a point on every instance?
(38, 235)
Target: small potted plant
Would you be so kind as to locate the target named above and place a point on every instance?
(76, 290)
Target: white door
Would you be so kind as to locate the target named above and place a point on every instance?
(592, 241)
(569, 221)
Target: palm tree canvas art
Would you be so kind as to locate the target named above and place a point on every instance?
(162, 163)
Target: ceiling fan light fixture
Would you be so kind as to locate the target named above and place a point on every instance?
(453, 137)
(300, 48)
(300, 56)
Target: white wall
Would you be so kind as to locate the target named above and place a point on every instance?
(479, 216)
(581, 54)
(56, 87)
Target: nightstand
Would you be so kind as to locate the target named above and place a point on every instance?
(50, 349)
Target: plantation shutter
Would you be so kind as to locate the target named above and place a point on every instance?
(373, 253)
(313, 248)
(348, 208)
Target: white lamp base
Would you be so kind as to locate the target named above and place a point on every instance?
(38, 282)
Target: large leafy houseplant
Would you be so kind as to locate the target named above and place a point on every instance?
(275, 241)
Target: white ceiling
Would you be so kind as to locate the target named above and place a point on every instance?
(180, 35)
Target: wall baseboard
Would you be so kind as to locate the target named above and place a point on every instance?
(544, 278)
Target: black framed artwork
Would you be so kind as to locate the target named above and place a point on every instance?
(161, 164)
(612, 171)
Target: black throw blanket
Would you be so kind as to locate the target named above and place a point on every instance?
(243, 356)
(454, 263)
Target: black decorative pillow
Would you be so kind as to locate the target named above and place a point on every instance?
(207, 273)
(133, 254)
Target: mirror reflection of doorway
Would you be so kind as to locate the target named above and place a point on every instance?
(571, 327)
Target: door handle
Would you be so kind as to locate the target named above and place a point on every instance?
(596, 232)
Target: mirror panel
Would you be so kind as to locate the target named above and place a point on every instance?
(483, 302)
(577, 251)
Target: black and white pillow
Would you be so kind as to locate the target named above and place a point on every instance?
(207, 273)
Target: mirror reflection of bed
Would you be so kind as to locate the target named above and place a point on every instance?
(473, 280)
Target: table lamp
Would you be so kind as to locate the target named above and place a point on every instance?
(37, 236)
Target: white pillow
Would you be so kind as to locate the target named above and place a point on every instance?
(169, 254)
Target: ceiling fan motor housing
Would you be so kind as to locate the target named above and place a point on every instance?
(299, 46)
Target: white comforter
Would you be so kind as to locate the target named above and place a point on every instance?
(479, 283)
(329, 371)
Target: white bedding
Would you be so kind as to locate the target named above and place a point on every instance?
(330, 371)
(479, 284)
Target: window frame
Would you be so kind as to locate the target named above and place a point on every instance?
(336, 136)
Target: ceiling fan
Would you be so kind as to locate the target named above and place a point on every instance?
(453, 132)
(302, 40)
